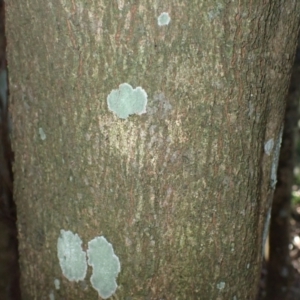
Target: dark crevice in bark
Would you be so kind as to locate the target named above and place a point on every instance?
(279, 269)
(9, 268)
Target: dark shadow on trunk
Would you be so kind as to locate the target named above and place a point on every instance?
(279, 269)
(9, 268)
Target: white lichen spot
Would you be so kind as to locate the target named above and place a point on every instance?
(248, 266)
(269, 146)
(127, 101)
(234, 298)
(221, 285)
(163, 19)
(57, 284)
(72, 258)
(51, 296)
(105, 264)
(42, 134)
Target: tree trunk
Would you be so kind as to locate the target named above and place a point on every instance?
(149, 131)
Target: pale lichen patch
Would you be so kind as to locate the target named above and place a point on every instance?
(57, 284)
(127, 101)
(221, 285)
(42, 134)
(163, 19)
(51, 296)
(105, 264)
(72, 258)
(269, 146)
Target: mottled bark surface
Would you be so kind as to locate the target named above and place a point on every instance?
(182, 191)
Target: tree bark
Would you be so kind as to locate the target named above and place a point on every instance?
(177, 177)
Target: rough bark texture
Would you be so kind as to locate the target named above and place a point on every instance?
(181, 192)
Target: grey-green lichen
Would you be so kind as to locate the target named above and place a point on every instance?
(221, 285)
(72, 258)
(105, 264)
(127, 101)
(42, 134)
(57, 284)
(269, 146)
(163, 19)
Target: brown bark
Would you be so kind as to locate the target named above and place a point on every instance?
(182, 191)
